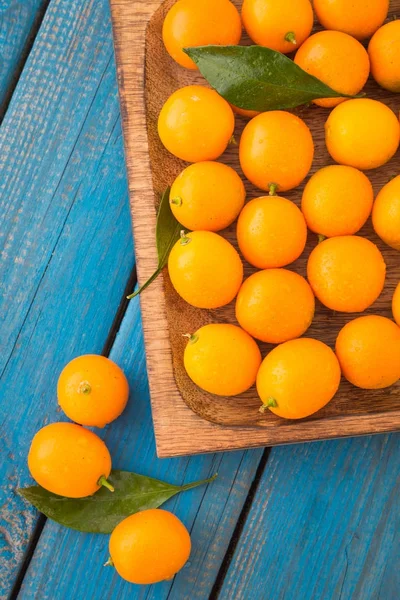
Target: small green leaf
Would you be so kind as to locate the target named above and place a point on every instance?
(101, 512)
(167, 233)
(258, 78)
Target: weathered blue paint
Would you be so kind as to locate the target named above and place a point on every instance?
(324, 525)
(17, 22)
(65, 235)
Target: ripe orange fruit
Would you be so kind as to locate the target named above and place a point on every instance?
(68, 460)
(362, 133)
(386, 213)
(368, 350)
(207, 196)
(384, 52)
(247, 114)
(396, 305)
(275, 305)
(149, 546)
(298, 378)
(337, 200)
(271, 232)
(359, 18)
(346, 273)
(338, 60)
(200, 23)
(205, 269)
(196, 124)
(222, 359)
(92, 390)
(282, 25)
(276, 149)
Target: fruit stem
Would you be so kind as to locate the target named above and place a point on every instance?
(269, 403)
(291, 37)
(109, 563)
(272, 189)
(321, 238)
(192, 337)
(84, 387)
(177, 201)
(105, 483)
(233, 141)
(184, 238)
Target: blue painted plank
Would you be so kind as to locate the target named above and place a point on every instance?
(66, 244)
(324, 525)
(17, 22)
(63, 558)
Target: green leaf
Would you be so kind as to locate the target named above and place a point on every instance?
(167, 233)
(101, 512)
(258, 78)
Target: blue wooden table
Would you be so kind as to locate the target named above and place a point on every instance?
(307, 522)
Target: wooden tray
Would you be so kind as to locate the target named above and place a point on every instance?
(187, 420)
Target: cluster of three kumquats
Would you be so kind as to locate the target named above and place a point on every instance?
(345, 272)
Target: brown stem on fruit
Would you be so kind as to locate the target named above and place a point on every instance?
(192, 337)
(84, 388)
(321, 238)
(184, 238)
(177, 201)
(109, 563)
(273, 187)
(233, 141)
(103, 481)
(269, 403)
(291, 37)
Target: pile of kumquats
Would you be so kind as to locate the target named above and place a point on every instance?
(345, 272)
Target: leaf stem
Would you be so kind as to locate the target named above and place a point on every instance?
(145, 285)
(291, 37)
(105, 483)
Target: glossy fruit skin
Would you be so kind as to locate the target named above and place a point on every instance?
(222, 359)
(359, 18)
(384, 52)
(386, 213)
(92, 390)
(271, 232)
(206, 271)
(68, 460)
(362, 133)
(247, 114)
(275, 305)
(149, 546)
(301, 375)
(338, 60)
(269, 21)
(200, 23)
(396, 305)
(337, 200)
(346, 273)
(196, 124)
(207, 196)
(276, 147)
(368, 349)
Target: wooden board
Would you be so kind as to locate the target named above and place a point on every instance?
(147, 77)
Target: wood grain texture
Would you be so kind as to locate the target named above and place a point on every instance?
(65, 236)
(324, 524)
(147, 78)
(210, 512)
(17, 22)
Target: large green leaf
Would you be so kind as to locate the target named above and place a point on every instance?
(258, 78)
(101, 512)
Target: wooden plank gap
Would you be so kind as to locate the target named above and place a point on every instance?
(30, 40)
(214, 595)
(37, 532)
